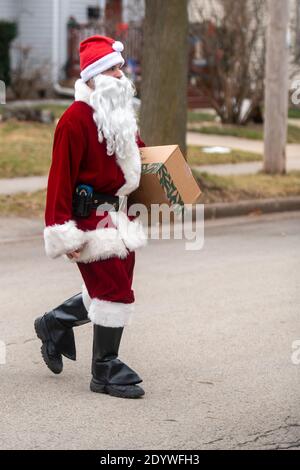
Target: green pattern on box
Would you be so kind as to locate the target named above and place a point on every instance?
(150, 168)
(166, 182)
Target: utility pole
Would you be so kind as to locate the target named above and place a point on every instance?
(297, 52)
(276, 87)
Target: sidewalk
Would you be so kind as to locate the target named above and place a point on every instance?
(242, 168)
(25, 184)
(204, 140)
(250, 145)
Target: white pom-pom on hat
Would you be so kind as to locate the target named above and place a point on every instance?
(118, 46)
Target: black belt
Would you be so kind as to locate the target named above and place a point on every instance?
(102, 198)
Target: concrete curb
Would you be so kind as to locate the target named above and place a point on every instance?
(241, 208)
(254, 206)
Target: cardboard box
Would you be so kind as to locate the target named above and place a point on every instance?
(166, 179)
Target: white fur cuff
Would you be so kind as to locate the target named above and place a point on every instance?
(62, 239)
(131, 232)
(110, 314)
(102, 243)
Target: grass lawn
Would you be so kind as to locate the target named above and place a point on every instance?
(214, 189)
(23, 204)
(217, 188)
(25, 149)
(294, 113)
(195, 156)
(198, 116)
(57, 109)
(254, 132)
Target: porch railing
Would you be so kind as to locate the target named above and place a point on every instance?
(130, 34)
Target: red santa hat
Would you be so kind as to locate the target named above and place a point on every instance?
(97, 54)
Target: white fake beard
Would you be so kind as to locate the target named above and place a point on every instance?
(112, 101)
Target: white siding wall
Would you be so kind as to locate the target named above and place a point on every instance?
(8, 9)
(78, 8)
(35, 29)
(64, 6)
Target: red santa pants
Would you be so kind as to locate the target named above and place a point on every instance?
(107, 292)
(110, 279)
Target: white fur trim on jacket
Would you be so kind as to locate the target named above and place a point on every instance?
(101, 243)
(131, 231)
(111, 314)
(62, 238)
(82, 91)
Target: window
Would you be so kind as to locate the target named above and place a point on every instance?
(93, 13)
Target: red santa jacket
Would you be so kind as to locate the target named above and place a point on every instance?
(79, 157)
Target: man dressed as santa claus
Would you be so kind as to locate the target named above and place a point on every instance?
(95, 162)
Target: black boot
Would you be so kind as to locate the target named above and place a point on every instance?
(110, 375)
(55, 330)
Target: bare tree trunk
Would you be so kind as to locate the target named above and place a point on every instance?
(297, 45)
(164, 73)
(276, 90)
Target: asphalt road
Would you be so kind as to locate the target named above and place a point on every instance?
(212, 339)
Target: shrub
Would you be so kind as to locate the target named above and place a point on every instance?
(8, 31)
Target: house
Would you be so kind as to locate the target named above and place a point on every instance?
(52, 30)
(43, 26)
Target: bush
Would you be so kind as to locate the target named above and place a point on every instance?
(29, 81)
(8, 31)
